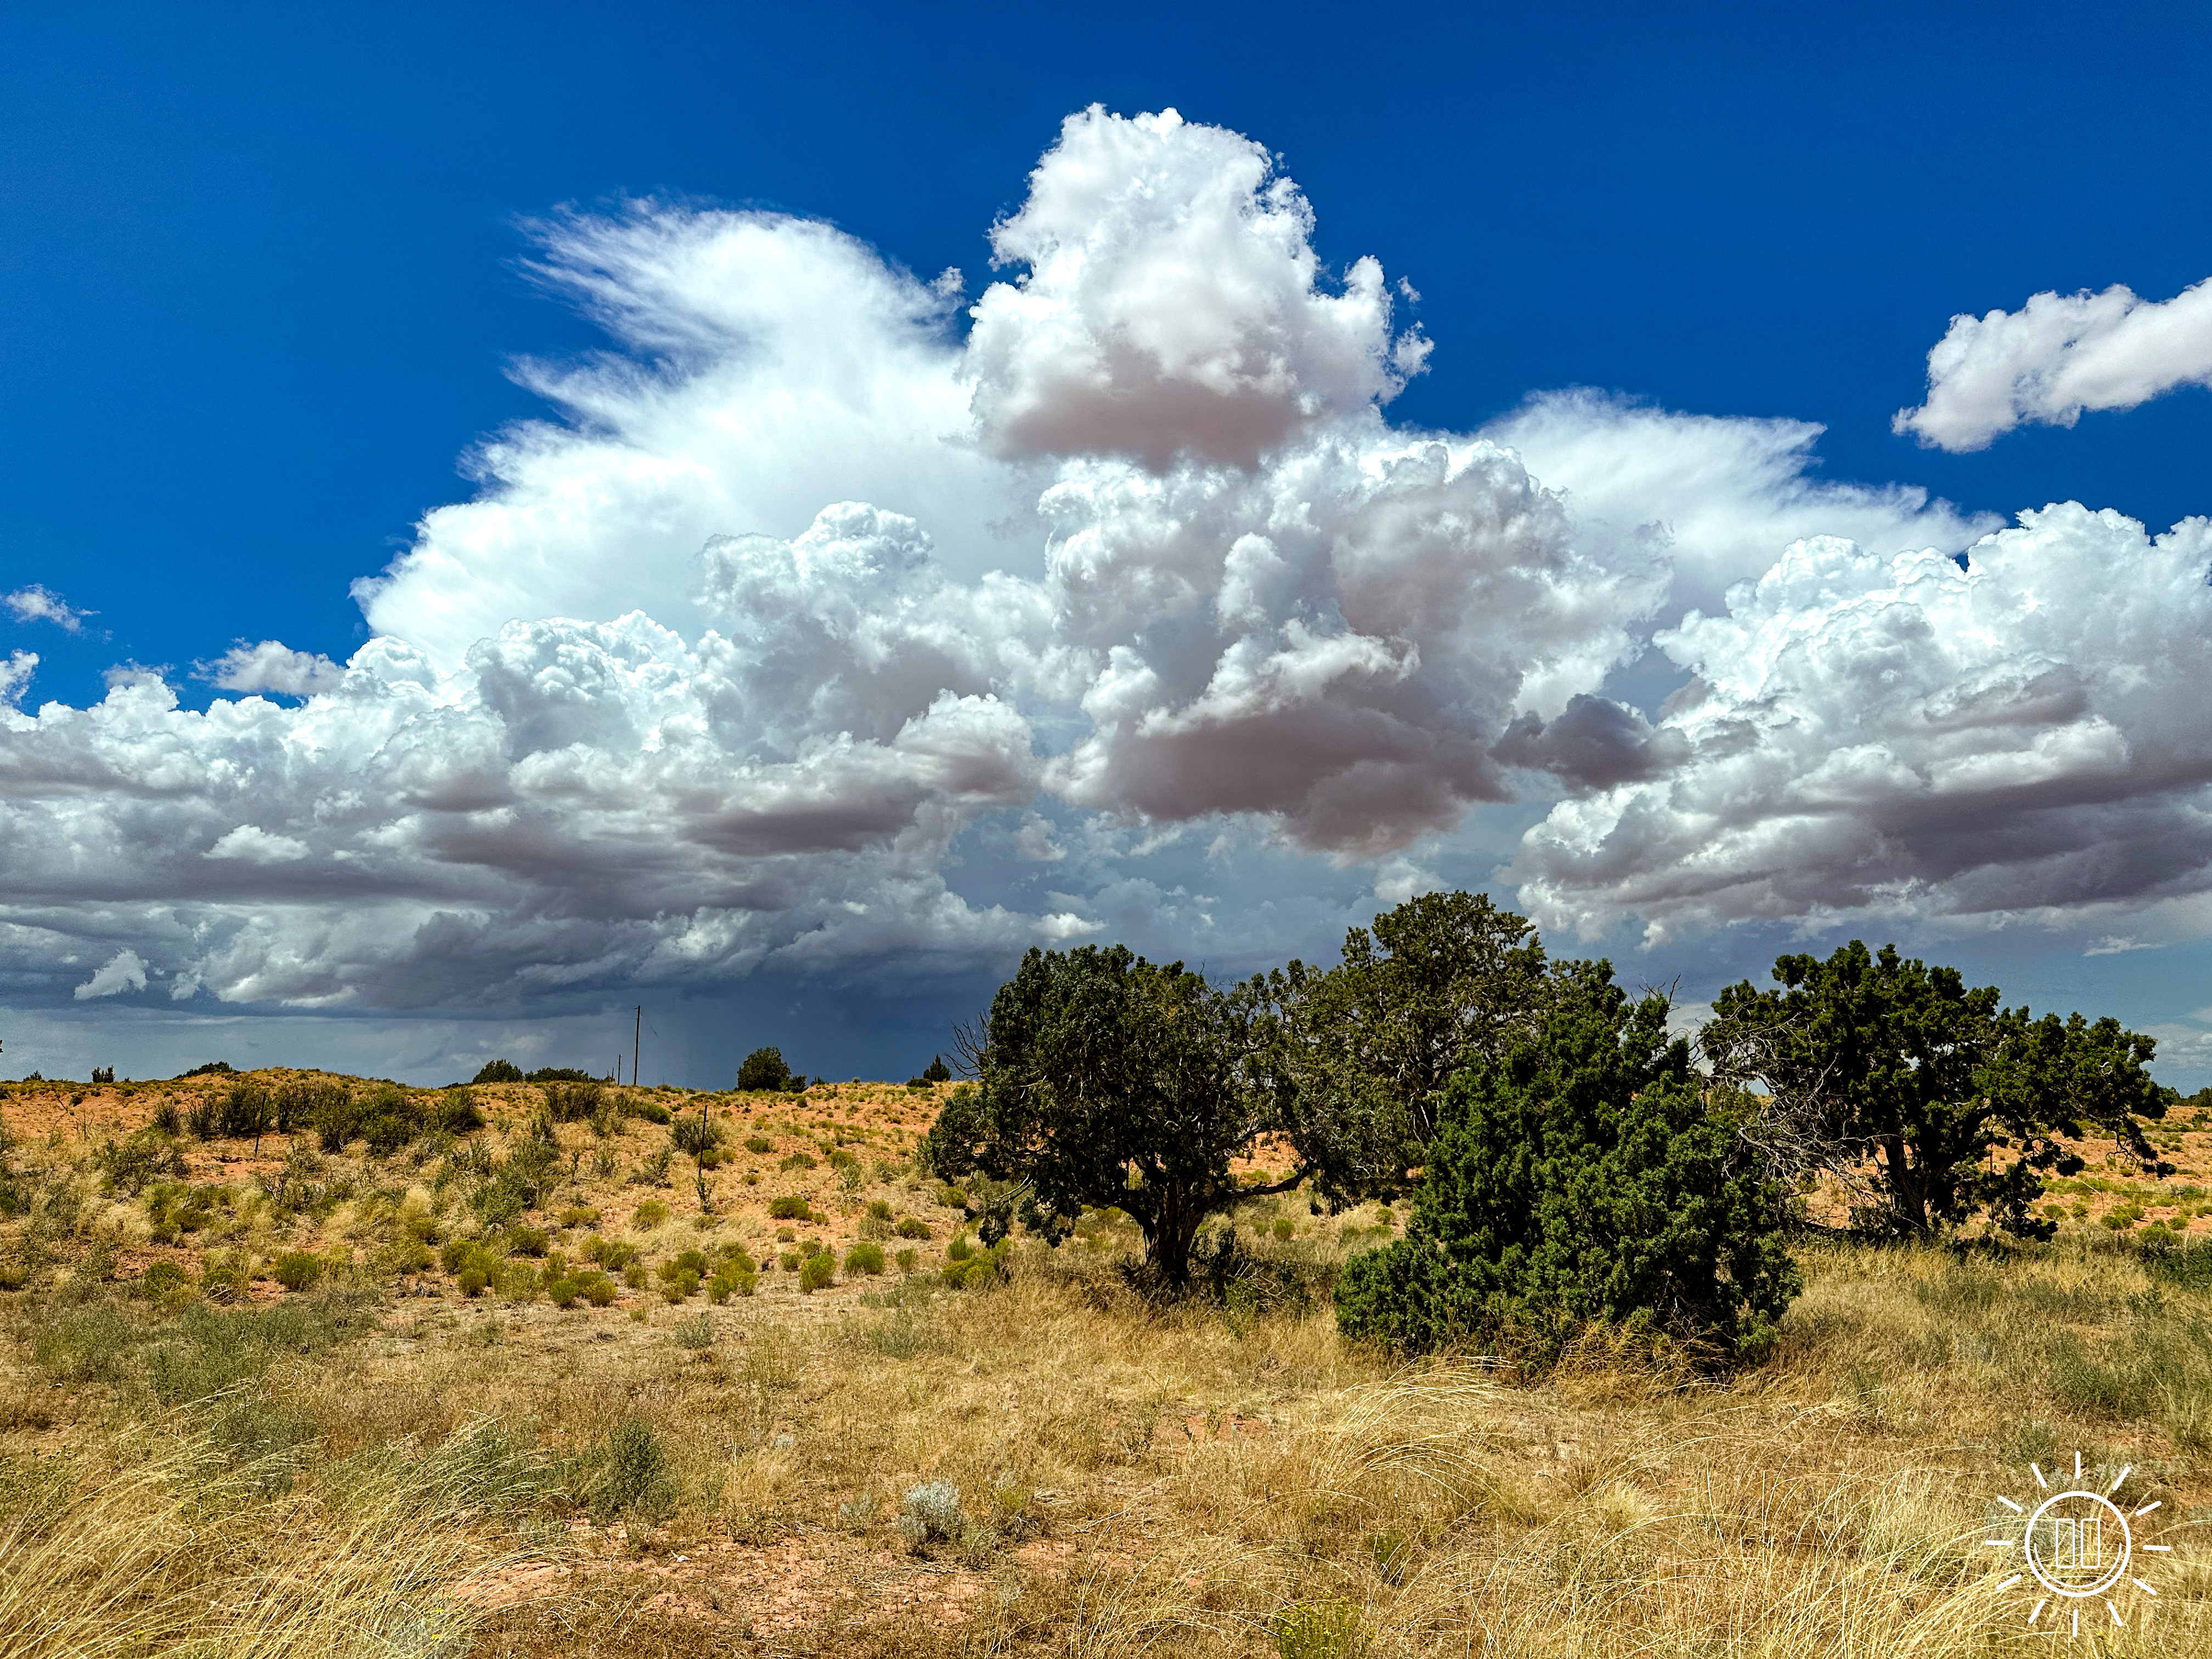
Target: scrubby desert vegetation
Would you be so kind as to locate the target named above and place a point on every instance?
(299, 1364)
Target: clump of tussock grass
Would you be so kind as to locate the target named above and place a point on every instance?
(174, 1545)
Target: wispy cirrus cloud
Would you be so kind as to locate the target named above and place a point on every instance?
(37, 603)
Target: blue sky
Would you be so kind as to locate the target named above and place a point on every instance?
(264, 277)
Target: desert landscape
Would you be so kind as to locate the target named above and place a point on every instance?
(493, 1379)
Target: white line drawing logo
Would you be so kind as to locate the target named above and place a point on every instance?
(2079, 1545)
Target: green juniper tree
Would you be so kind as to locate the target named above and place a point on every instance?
(1359, 1053)
(1928, 1100)
(1585, 1174)
(1109, 1080)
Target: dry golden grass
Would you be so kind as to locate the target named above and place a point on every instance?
(431, 1474)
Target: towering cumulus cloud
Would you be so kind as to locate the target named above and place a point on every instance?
(2021, 736)
(820, 604)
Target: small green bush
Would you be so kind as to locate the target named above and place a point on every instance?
(865, 1258)
(959, 1249)
(731, 1279)
(499, 1071)
(579, 1215)
(612, 1254)
(649, 1215)
(527, 1240)
(758, 1145)
(906, 1260)
(912, 1227)
(297, 1270)
(879, 1209)
(473, 1281)
(563, 1292)
(790, 1207)
(652, 1111)
(628, 1476)
(797, 1161)
(951, 1197)
(694, 1332)
(817, 1273)
(163, 1278)
(1285, 1228)
(596, 1288)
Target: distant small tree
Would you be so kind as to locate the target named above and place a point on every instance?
(1108, 1080)
(499, 1071)
(1582, 1177)
(1925, 1100)
(936, 1071)
(765, 1072)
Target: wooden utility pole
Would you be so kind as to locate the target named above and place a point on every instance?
(637, 1036)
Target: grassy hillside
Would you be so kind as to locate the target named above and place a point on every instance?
(409, 1447)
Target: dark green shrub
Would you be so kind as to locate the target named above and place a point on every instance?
(1582, 1178)
(757, 1144)
(912, 1227)
(879, 1209)
(652, 1111)
(562, 1292)
(797, 1161)
(473, 1281)
(596, 1288)
(679, 1286)
(951, 1197)
(579, 1215)
(297, 1270)
(817, 1273)
(936, 1071)
(499, 1071)
(763, 1071)
(527, 1240)
(789, 1207)
(560, 1075)
(200, 1119)
(959, 1249)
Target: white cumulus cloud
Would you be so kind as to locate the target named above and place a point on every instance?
(2057, 355)
(1895, 734)
(124, 971)
(272, 665)
(808, 632)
